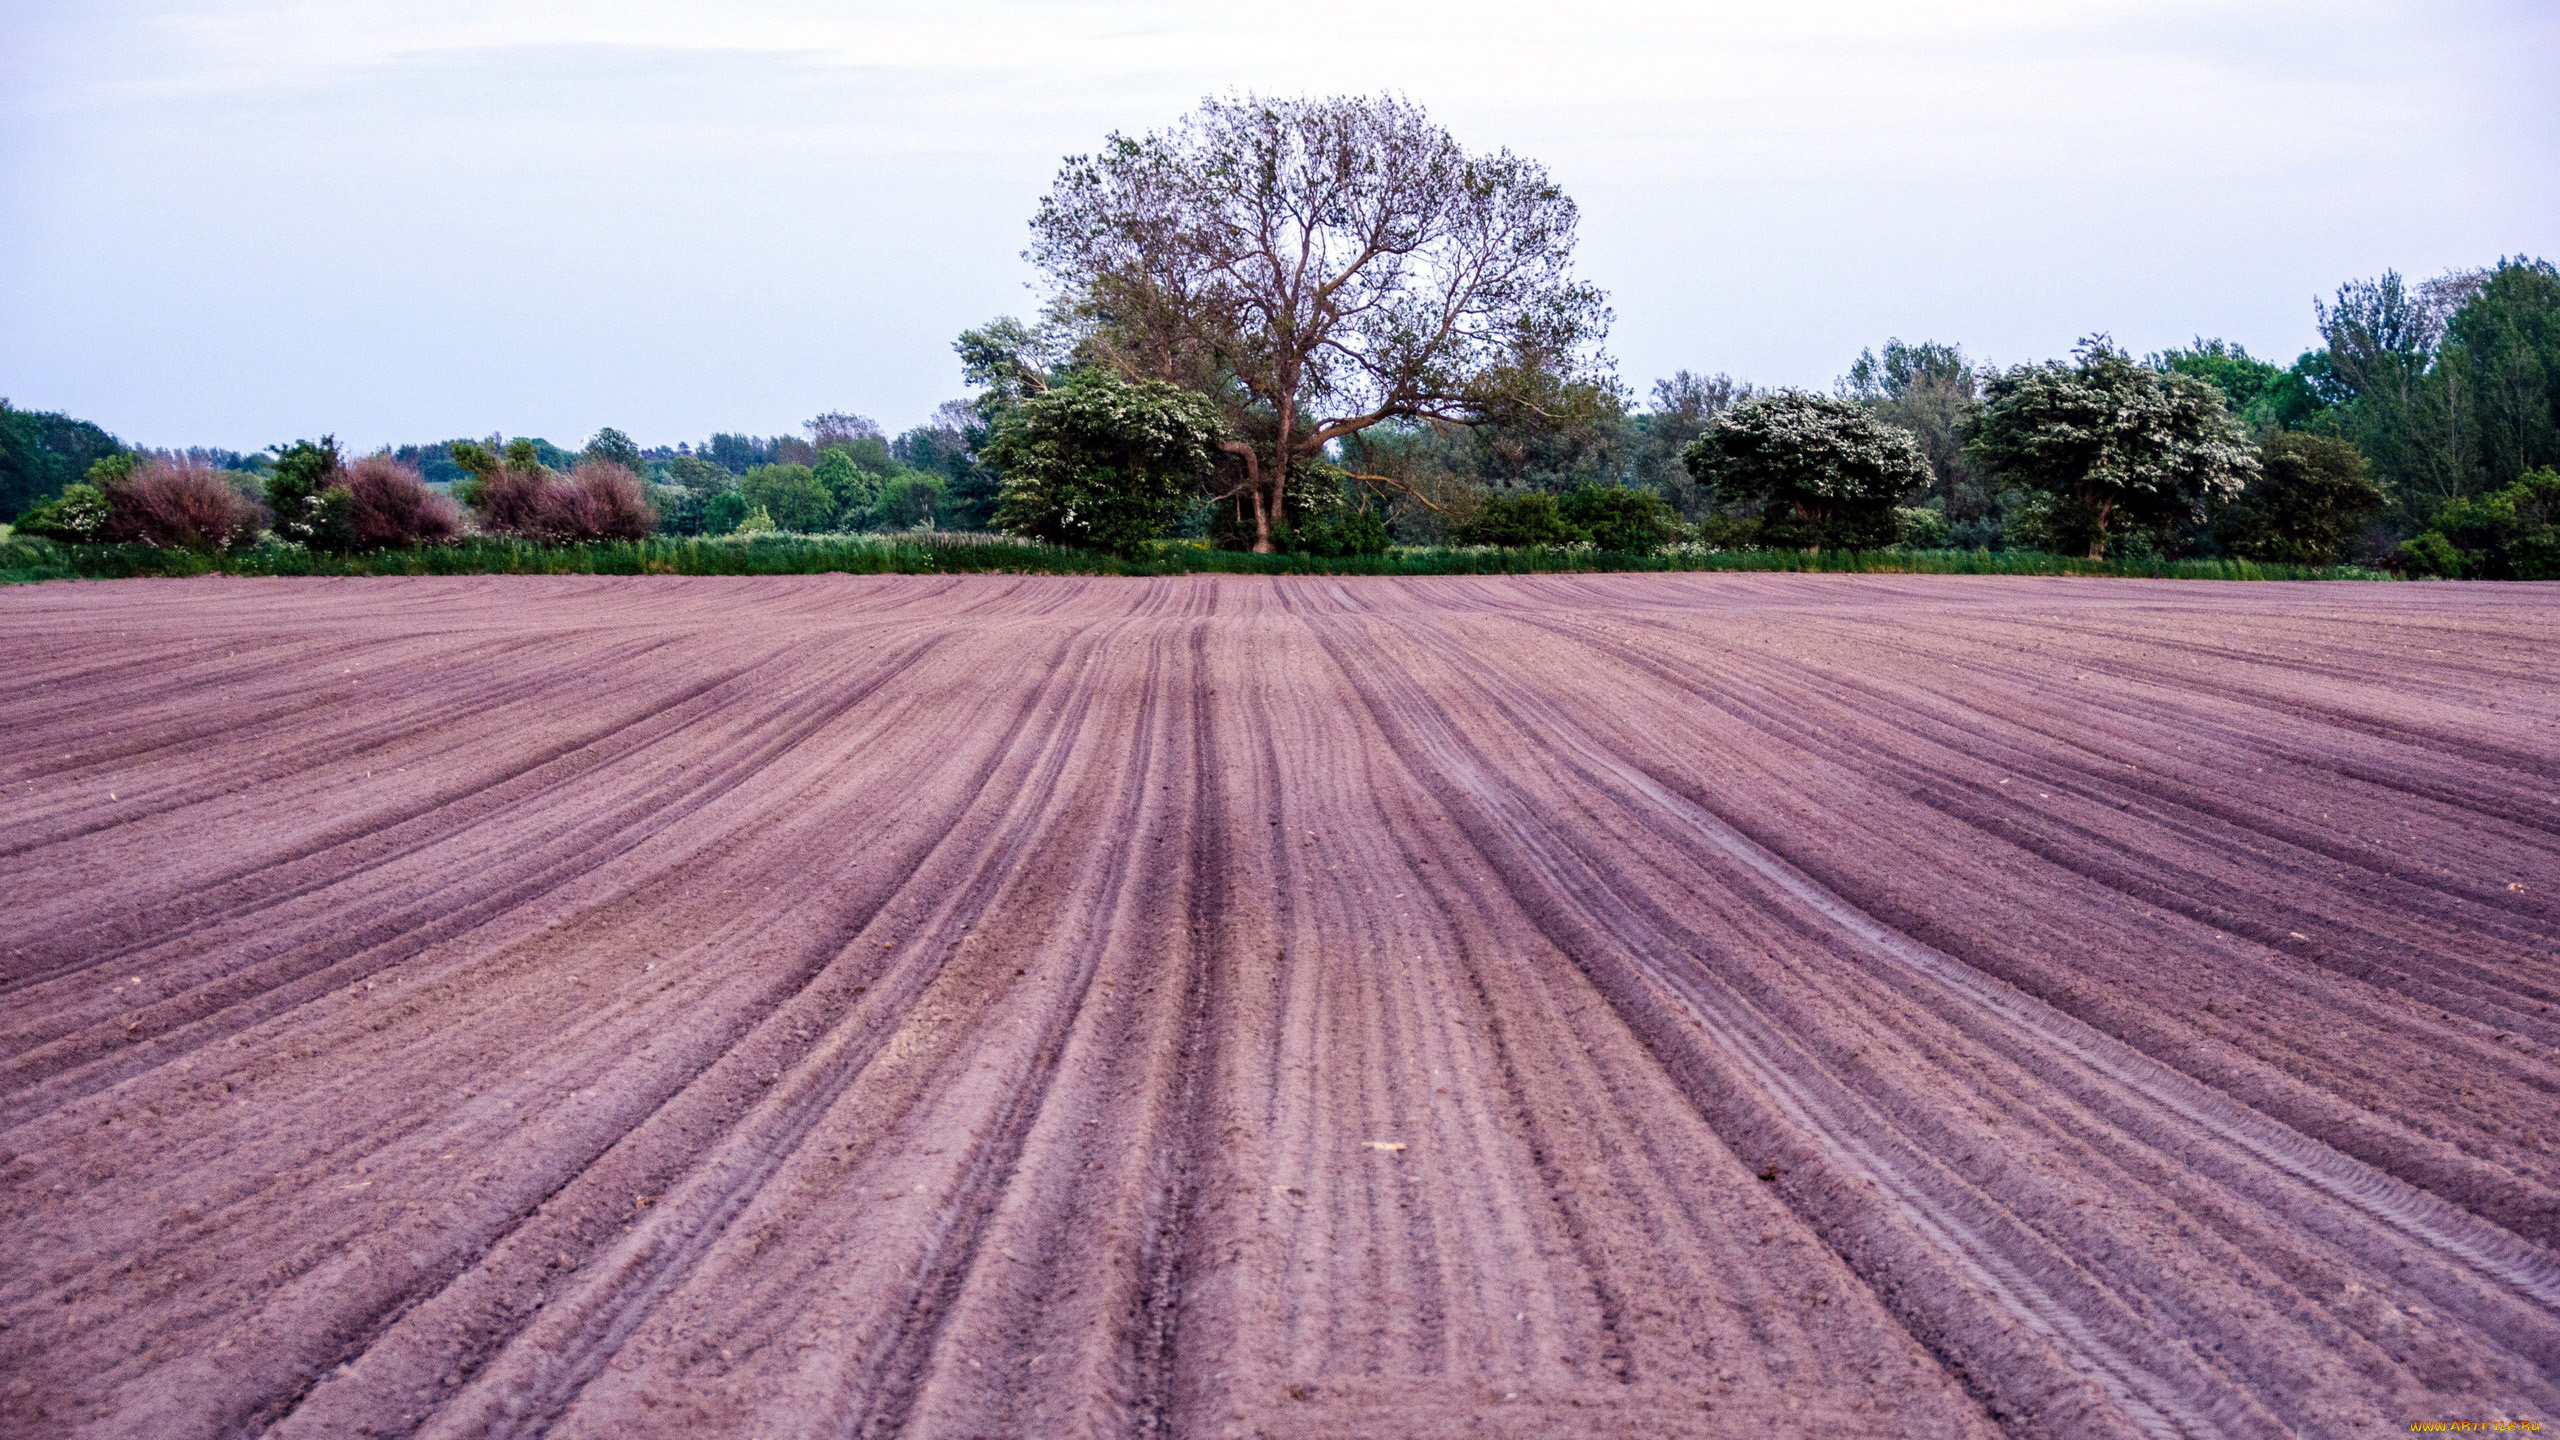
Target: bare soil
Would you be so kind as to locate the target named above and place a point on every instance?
(1541, 1007)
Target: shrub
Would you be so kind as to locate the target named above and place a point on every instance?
(1102, 463)
(510, 501)
(1920, 527)
(2309, 503)
(306, 491)
(389, 504)
(180, 506)
(598, 500)
(1633, 522)
(1516, 521)
(2509, 534)
(76, 516)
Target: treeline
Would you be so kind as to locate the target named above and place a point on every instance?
(2420, 435)
(70, 481)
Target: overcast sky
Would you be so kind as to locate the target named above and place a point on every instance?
(233, 223)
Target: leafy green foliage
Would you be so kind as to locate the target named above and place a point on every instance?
(1824, 471)
(2243, 379)
(2116, 444)
(726, 510)
(695, 473)
(307, 493)
(851, 486)
(2309, 504)
(77, 516)
(2508, 534)
(2506, 340)
(1514, 522)
(41, 452)
(1102, 462)
(907, 502)
(792, 495)
(615, 448)
(1928, 389)
(1636, 522)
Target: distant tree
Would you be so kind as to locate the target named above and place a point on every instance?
(42, 451)
(2505, 337)
(696, 473)
(1102, 462)
(948, 446)
(2310, 502)
(615, 448)
(2511, 533)
(908, 501)
(724, 511)
(434, 462)
(1930, 390)
(1681, 406)
(838, 427)
(737, 454)
(1316, 267)
(2243, 379)
(854, 489)
(2412, 419)
(1823, 470)
(792, 495)
(2114, 443)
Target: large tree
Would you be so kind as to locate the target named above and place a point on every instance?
(2113, 440)
(1317, 267)
(1826, 471)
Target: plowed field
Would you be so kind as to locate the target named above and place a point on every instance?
(1558, 1006)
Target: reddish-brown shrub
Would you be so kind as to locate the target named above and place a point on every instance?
(597, 501)
(601, 501)
(389, 504)
(181, 506)
(510, 501)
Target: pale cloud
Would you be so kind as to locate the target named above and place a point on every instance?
(678, 216)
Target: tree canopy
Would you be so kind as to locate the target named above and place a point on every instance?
(1826, 468)
(2112, 439)
(1318, 266)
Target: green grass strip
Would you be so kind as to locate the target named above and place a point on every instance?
(24, 560)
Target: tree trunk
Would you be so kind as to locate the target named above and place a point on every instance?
(2098, 534)
(1261, 524)
(1277, 513)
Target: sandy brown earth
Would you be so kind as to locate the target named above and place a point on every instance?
(1563, 1006)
